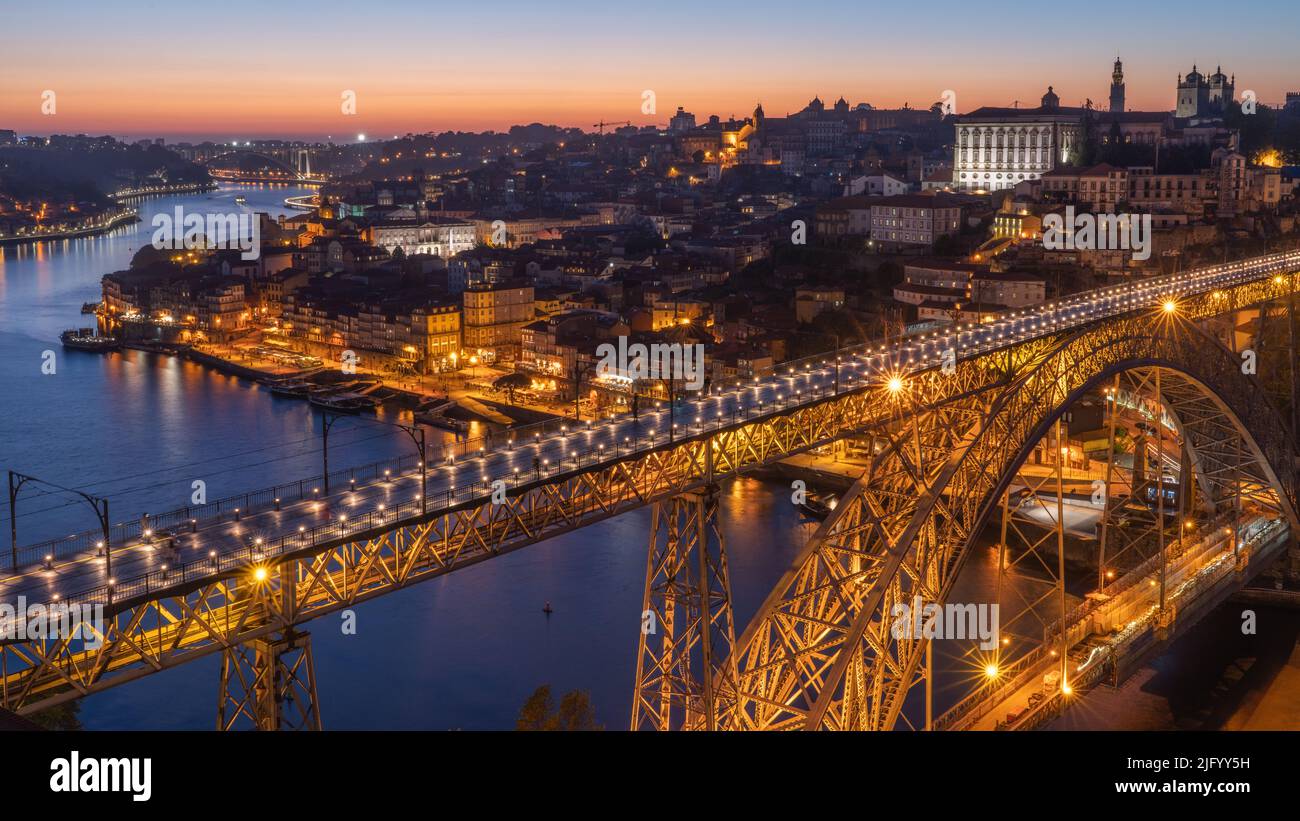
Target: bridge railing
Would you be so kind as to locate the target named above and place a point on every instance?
(1016, 674)
(259, 500)
(254, 553)
(1173, 551)
(190, 517)
(1011, 677)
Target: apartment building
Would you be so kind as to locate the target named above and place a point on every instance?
(494, 315)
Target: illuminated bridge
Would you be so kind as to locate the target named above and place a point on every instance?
(954, 422)
(291, 166)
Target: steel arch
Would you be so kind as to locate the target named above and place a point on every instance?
(819, 653)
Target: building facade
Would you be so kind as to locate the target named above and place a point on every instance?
(494, 317)
(997, 148)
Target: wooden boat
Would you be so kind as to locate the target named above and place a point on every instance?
(433, 407)
(444, 422)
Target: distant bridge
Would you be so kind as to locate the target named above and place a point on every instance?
(290, 166)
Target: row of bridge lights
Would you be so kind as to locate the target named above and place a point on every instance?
(893, 385)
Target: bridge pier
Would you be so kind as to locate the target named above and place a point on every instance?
(686, 670)
(269, 684)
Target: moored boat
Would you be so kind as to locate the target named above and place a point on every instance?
(344, 402)
(444, 422)
(290, 387)
(85, 339)
(815, 508)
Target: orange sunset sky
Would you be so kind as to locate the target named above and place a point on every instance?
(249, 70)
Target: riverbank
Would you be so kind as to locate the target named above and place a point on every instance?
(400, 397)
(302, 203)
(94, 230)
(163, 191)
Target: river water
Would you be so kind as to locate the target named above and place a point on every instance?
(461, 651)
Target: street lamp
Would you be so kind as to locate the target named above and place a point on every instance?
(97, 504)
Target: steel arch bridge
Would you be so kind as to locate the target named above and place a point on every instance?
(821, 652)
(950, 438)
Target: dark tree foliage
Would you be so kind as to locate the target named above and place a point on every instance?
(62, 717)
(574, 714)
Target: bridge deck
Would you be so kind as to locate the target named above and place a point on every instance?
(469, 479)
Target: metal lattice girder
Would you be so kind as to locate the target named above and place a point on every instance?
(819, 654)
(686, 671)
(1027, 550)
(1129, 533)
(159, 629)
(269, 685)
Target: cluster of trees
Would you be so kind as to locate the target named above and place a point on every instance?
(574, 712)
(60, 174)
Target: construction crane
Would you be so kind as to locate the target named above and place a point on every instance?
(600, 126)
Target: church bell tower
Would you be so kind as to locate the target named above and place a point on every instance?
(1117, 88)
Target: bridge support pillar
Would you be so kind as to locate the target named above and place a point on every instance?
(686, 671)
(1165, 623)
(269, 684)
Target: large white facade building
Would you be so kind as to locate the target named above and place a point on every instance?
(999, 147)
(441, 237)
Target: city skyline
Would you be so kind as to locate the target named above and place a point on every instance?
(587, 63)
(588, 366)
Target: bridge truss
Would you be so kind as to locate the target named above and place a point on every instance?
(818, 653)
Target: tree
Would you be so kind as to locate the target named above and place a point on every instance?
(575, 713)
(64, 716)
(512, 382)
(534, 714)
(946, 246)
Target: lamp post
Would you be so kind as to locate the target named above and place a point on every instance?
(417, 438)
(98, 504)
(327, 421)
(577, 387)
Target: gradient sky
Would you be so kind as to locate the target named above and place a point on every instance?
(242, 69)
